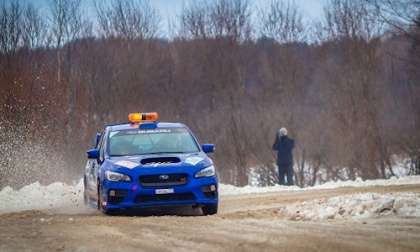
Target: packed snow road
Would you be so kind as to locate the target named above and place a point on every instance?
(366, 218)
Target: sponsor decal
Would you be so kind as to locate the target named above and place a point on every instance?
(193, 160)
(127, 164)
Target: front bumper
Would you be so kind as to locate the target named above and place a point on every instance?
(126, 195)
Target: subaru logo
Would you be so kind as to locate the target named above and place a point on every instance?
(164, 177)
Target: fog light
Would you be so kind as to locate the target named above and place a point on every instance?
(116, 196)
(210, 191)
(209, 188)
(212, 188)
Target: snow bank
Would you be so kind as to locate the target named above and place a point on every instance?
(408, 180)
(356, 206)
(58, 196)
(233, 190)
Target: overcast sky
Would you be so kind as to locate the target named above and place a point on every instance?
(170, 9)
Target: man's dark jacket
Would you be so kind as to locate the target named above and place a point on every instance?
(284, 146)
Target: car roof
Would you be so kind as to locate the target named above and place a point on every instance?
(124, 126)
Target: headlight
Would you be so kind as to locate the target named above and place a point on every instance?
(116, 176)
(206, 172)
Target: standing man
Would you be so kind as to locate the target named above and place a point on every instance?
(284, 147)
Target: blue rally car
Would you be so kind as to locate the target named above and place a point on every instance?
(145, 163)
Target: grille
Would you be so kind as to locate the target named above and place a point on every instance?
(163, 180)
(164, 197)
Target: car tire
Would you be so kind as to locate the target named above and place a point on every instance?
(85, 198)
(98, 202)
(209, 209)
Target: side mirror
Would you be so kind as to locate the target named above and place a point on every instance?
(97, 139)
(208, 148)
(93, 154)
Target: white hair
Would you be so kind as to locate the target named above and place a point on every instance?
(283, 132)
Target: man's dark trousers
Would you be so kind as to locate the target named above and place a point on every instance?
(285, 170)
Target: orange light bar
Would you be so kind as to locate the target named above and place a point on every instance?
(143, 117)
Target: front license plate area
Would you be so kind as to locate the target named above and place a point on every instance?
(164, 191)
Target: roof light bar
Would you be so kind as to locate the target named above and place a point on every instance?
(143, 117)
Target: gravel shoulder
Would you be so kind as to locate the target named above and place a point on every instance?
(247, 222)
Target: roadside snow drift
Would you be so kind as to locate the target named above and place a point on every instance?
(233, 190)
(356, 206)
(58, 196)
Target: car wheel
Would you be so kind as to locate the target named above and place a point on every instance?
(209, 209)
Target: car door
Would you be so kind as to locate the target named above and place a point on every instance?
(92, 168)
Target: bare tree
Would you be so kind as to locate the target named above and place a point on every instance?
(402, 18)
(400, 15)
(355, 90)
(231, 18)
(195, 21)
(34, 30)
(218, 19)
(10, 26)
(352, 19)
(67, 21)
(283, 21)
(129, 19)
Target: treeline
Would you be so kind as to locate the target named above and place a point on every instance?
(347, 86)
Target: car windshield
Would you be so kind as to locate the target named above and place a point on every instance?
(151, 141)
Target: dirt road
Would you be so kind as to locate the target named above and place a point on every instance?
(245, 223)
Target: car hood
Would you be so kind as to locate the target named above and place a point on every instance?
(194, 160)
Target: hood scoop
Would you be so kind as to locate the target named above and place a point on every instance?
(160, 160)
